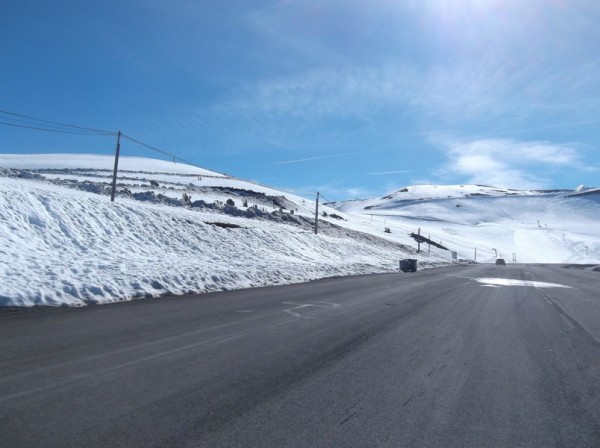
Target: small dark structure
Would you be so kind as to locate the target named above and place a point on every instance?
(408, 265)
(421, 239)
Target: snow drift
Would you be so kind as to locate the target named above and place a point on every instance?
(65, 243)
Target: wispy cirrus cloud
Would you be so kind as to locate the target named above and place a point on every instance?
(493, 96)
(350, 91)
(328, 88)
(508, 163)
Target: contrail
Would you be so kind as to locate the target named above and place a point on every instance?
(388, 172)
(305, 160)
(331, 156)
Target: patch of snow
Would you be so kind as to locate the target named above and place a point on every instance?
(497, 282)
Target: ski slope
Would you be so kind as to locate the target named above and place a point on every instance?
(531, 226)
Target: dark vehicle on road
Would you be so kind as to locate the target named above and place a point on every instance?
(500, 261)
(408, 265)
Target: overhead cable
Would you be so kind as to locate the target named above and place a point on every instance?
(60, 131)
(173, 156)
(37, 121)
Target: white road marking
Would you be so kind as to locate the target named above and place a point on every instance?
(300, 305)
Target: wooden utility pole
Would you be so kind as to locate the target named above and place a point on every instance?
(317, 215)
(114, 181)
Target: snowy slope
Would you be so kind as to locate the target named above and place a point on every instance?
(64, 242)
(178, 229)
(97, 162)
(534, 226)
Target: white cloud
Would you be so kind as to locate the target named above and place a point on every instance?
(476, 67)
(508, 163)
(334, 192)
(483, 93)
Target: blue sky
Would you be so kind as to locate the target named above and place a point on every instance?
(352, 98)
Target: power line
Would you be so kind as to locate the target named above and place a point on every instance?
(54, 123)
(60, 131)
(40, 124)
(153, 148)
(80, 130)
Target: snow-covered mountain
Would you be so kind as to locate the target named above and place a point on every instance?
(534, 226)
(173, 229)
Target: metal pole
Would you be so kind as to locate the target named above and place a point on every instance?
(419, 241)
(475, 254)
(317, 215)
(114, 181)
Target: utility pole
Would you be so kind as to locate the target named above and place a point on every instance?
(317, 215)
(114, 181)
(429, 244)
(419, 241)
(475, 254)
(495, 252)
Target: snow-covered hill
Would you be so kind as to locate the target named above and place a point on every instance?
(177, 229)
(173, 229)
(556, 226)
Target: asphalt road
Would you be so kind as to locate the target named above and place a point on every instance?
(430, 359)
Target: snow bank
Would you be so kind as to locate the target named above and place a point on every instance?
(65, 246)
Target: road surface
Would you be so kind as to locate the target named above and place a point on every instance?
(495, 356)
